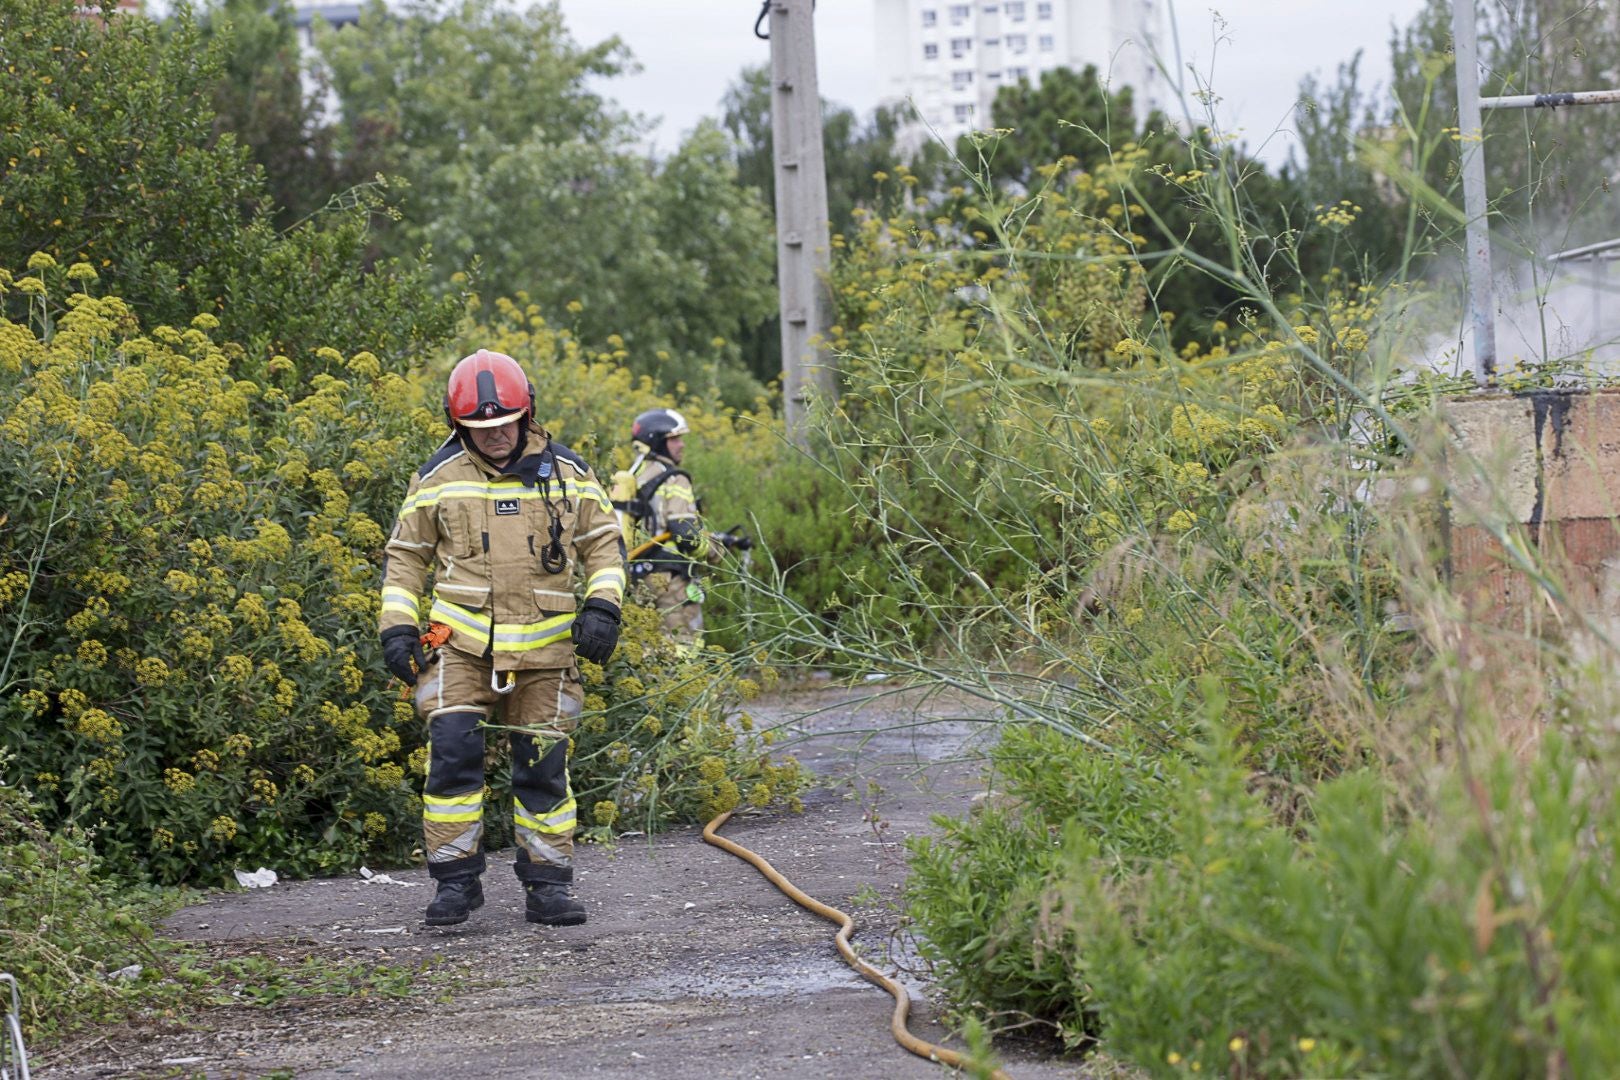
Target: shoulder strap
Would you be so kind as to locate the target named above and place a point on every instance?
(646, 491)
(449, 449)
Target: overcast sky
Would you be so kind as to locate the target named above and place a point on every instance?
(690, 50)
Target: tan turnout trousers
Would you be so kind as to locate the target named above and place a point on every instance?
(455, 697)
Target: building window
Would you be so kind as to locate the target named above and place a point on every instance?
(992, 42)
(960, 13)
(960, 47)
(990, 9)
(930, 51)
(1047, 42)
(961, 80)
(1017, 43)
(1043, 11)
(964, 113)
(1015, 10)
(930, 17)
(1016, 73)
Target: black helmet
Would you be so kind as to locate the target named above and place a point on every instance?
(655, 427)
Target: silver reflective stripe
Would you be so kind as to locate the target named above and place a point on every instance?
(461, 847)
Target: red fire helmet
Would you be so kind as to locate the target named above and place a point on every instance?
(487, 389)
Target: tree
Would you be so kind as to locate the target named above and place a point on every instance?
(260, 100)
(1547, 170)
(1067, 114)
(113, 160)
(107, 133)
(854, 150)
(1070, 122)
(518, 168)
(854, 153)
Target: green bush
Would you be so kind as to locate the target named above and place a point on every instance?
(666, 737)
(188, 581)
(64, 925)
(1368, 941)
(978, 892)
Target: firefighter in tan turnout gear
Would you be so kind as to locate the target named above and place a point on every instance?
(502, 517)
(664, 519)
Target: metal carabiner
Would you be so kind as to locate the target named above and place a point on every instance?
(495, 681)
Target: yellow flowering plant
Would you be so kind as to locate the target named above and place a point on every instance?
(666, 736)
(188, 578)
(189, 593)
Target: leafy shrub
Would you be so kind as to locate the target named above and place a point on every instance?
(1454, 943)
(1013, 409)
(978, 892)
(189, 592)
(63, 924)
(666, 737)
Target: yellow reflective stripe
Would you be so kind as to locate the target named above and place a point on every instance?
(560, 820)
(505, 489)
(466, 489)
(515, 637)
(509, 637)
(472, 798)
(609, 579)
(459, 618)
(594, 491)
(401, 601)
(453, 807)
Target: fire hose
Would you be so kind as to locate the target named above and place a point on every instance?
(642, 548)
(846, 925)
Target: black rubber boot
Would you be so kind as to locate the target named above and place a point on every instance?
(548, 902)
(457, 898)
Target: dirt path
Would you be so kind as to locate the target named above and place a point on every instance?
(691, 965)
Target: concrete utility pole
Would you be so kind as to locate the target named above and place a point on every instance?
(803, 248)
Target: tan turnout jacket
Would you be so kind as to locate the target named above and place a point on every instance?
(485, 535)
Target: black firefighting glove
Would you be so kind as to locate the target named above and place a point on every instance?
(596, 630)
(688, 537)
(734, 539)
(401, 645)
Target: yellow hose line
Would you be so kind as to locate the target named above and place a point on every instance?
(846, 925)
(636, 551)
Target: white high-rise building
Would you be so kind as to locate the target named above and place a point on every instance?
(949, 57)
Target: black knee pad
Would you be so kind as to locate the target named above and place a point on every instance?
(540, 781)
(455, 753)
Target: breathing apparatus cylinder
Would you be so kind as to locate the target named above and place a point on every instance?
(622, 492)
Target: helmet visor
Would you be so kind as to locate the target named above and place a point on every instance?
(489, 416)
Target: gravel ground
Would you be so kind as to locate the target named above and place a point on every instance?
(691, 963)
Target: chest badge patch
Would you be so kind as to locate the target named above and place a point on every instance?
(506, 506)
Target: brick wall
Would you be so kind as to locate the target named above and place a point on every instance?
(1545, 468)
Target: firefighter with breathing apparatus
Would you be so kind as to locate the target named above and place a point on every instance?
(502, 517)
(663, 523)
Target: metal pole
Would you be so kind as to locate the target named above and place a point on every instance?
(803, 247)
(1588, 252)
(1552, 101)
(1465, 34)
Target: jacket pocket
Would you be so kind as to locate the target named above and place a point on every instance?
(471, 597)
(554, 601)
(460, 529)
